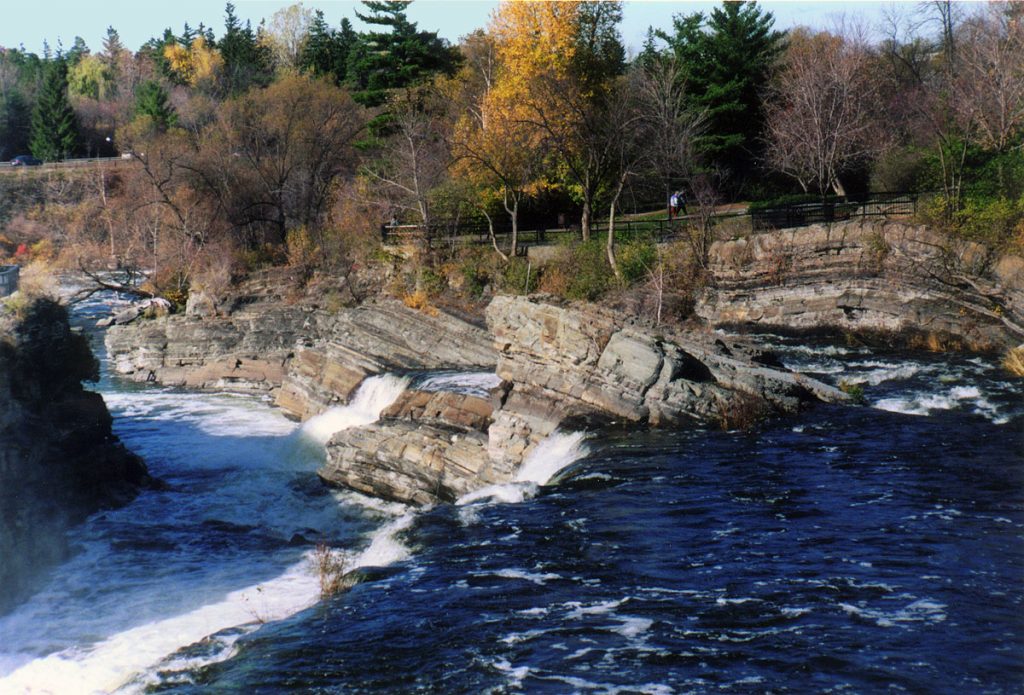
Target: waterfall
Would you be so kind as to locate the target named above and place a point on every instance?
(374, 395)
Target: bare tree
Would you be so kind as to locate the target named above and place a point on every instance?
(672, 126)
(820, 120)
(989, 82)
(415, 158)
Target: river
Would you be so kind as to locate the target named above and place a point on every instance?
(848, 548)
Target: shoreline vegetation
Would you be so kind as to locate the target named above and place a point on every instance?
(289, 146)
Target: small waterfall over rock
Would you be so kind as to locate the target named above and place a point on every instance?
(374, 395)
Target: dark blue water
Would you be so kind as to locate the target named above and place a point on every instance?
(857, 549)
(847, 549)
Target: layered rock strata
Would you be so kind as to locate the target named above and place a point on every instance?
(309, 358)
(59, 460)
(373, 338)
(869, 277)
(570, 366)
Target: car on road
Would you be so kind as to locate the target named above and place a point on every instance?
(25, 160)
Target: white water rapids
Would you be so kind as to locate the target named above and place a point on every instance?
(171, 581)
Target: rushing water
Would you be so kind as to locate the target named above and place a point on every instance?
(859, 549)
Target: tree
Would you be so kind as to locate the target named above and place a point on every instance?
(399, 57)
(276, 153)
(542, 48)
(727, 59)
(821, 120)
(325, 52)
(54, 129)
(989, 84)
(197, 64)
(415, 156)
(151, 101)
(246, 61)
(286, 34)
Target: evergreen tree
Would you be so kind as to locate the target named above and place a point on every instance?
(399, 57)
(151, 100)
(246, 62)
(79, 50)
(727, 60)
(326, 51)
(599, 53)
(54, 130)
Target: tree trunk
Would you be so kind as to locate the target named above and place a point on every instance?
(494, 239)
(611, 240)
(585, 221)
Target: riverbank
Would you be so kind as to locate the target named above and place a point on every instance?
(60, 461)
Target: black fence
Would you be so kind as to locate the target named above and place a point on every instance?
(460, 233)
(803, 214)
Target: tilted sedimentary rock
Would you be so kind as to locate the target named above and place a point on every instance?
(872, 277)
(562, 365)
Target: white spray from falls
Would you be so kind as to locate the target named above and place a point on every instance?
(557, 451)
(374, 395)
(553, 454)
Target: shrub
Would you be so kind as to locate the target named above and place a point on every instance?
(587, 271)
(1014, 361)
(854, 391)
(519, 277)
(636, 259)
(331, 570)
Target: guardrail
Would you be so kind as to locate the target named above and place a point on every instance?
(67, 163)
(9, 279)
(659, 229)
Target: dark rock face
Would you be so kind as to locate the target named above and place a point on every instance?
(869, 277)
(562, 365)
(59, 460)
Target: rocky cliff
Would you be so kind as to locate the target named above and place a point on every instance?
(869, 277)
(59, 460)
(562, 365)
(309, 358)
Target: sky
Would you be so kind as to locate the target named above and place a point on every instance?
(30, 22)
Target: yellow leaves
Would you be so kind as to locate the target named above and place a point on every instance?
(196, 64)
(534, 38)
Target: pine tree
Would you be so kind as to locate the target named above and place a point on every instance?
(246, 63)
(326, 50)
(54, 130)
(399, 57)
(727, 59)
(151, 100)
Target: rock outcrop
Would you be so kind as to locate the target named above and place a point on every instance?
(869, 277)
(59, 460)
(569, 366)
(373, 338)
(310, 358)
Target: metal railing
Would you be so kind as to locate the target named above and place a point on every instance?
(803, 214)
(660, 229)
(9, 279)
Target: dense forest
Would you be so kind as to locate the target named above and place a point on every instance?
(292, 142)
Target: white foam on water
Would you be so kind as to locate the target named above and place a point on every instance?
(503, 493)
(114, 662)
(919, 611)
(534, 577)
(632, 627)
(374, 395)
(884, 372)
(557, 451)
(956, 398)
